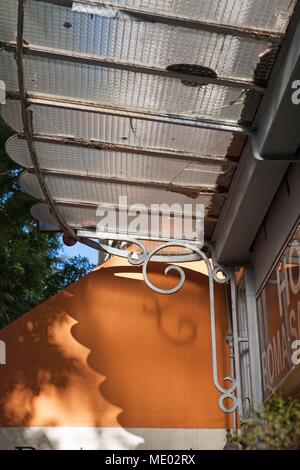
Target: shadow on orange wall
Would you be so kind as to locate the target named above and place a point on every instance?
(109, 352)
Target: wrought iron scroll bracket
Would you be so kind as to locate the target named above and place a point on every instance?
(216, 274)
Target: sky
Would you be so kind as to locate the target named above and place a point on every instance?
(80, 249)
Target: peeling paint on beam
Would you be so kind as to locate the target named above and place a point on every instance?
(151, 152)
(190, 191)
(179, 120)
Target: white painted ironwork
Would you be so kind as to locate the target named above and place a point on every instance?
(227, 277)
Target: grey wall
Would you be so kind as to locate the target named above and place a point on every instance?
(278, 226)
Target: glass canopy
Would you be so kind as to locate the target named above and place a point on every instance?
(149, 99)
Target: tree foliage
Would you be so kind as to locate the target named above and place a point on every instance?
(31, 264)
(276, 426)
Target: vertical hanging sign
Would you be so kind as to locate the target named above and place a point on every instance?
(279, 318)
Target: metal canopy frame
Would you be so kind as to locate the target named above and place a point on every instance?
(27, 123)
(41, 173)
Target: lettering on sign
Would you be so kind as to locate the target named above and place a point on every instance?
(279, 315)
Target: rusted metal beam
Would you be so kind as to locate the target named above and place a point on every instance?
(122, 148)
(107, 206)
(190, 191)
(27, 121)
(179, 120)
(57, 54)
(143, 14)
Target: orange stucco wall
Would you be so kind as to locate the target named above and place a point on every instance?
(109, 352)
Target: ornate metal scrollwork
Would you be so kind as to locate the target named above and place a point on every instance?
(228, 394)
(144, 260)
(214, 272)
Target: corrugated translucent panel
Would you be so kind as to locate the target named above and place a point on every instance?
(8, 70)
(76, 217)
(68, 189)
(139, 42)
(11, 113)
(93, 162)
(87, 217)
(126, 89)
(270, 15)
(8, 20)
(119, 130)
